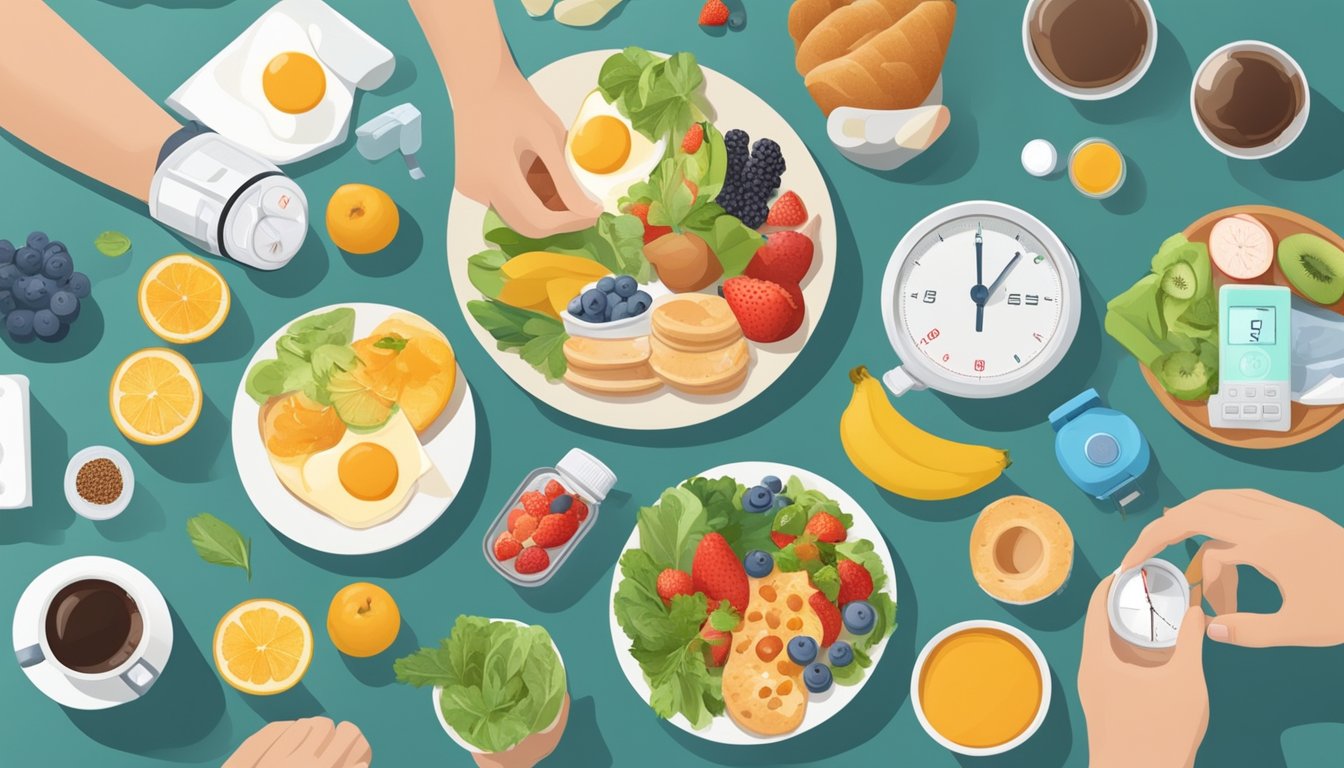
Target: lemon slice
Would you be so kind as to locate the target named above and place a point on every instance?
(183, 299)
(155, 397)
(263, 647)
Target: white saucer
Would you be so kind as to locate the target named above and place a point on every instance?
(92, 694)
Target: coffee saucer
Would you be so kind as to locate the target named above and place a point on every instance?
(92, 694)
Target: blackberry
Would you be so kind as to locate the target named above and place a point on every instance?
(736, 142)
(768, 154)
(752, 177)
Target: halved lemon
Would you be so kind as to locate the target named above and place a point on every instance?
(263, 647)
(183, 299)
(155, 397)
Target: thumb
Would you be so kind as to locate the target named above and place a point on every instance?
(1251, 630)
(1190, 639)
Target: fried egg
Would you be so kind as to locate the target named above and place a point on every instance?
(606, 154)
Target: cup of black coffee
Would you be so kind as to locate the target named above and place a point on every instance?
(93, 629)
(1250, 100)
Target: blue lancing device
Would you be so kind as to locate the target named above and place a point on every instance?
(1100, 449)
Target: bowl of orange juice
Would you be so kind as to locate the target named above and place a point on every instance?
(980, 688)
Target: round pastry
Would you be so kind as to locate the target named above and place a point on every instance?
(1021, 550)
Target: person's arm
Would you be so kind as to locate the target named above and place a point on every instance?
(63, 98)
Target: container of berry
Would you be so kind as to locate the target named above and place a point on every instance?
(40, 291)
(615, 307)
(546, 518)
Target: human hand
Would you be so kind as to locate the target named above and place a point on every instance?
(314, 742)
(1299, 549)
(1143, 707)
(511, 156)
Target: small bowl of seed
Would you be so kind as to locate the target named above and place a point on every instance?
(98, 483)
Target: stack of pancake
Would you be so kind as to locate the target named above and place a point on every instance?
(610, 366)
(697, 345)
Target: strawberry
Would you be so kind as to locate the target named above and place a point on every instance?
(695, 136)
(532, 560)
(535, 503)
(787, 211)
(764, 309)
(856, 583)
(527, 525)
(717, 572)
(651, 233)
(553, 489)
(514, 515)
(799, 310)
(506, 546)
(782, 540)
(785, 258)
(672, 582)
(719, 643)
(714, 14)
(579, 508)
(829, 615)
(826, 527)
(691, 185)
(555, 529)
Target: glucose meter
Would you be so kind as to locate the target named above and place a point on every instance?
(1254, 359)
(1100, 449)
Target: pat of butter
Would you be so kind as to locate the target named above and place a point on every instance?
(16, 472)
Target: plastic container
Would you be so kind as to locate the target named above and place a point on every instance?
(581, 474)
(88, 509)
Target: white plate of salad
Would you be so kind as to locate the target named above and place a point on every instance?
(761, 682)
(717, 226)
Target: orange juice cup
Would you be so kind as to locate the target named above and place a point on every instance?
(1096, 168)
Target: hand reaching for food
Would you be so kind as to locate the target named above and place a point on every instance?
(1143, 707)
(314, 742)
(1299, 549)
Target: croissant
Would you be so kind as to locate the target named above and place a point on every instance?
(804, 15)
(847, 28)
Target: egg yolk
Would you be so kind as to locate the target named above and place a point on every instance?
(294, 82)
(601, 145)
(368, 471)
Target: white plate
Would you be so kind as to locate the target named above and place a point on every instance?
(450, 443)
(563, 85)
(722, 729)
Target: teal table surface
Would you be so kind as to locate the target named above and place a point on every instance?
(1269, 707)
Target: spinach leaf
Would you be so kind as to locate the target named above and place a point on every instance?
(218, 543)
(537, 338)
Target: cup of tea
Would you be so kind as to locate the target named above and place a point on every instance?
(1089, 49)
(1250, 100)
(92, 627)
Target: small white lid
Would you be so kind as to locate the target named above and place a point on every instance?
(88, 509)
(1040, 158)
(593, 477)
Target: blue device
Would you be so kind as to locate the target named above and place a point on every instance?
(1100, 449)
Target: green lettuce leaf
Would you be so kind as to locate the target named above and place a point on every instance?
(483, 270)
(670, 531)
(537, 338)
(731, 240)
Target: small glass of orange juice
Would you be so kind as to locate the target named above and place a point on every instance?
(1096, 168)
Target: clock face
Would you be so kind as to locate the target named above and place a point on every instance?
(1149, 603)
(1019, 283)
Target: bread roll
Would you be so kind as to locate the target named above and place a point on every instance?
(806, 14)
(896, 69)
(847, 28)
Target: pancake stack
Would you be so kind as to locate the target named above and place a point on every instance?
(618, 367)
(697, 345)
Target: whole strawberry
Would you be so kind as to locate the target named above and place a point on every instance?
(826, 527)
(719, 643)
(506, 546)
(785, 258)
(555, 529)
(553, 489)
(764, 309)
(535, 503)
(831, 622)
(579, 508)
(672, 582)
(856, 583)
(782, 540)
(695, 136)
(717, 572)
(787, 211)
(524, 528)
(651, 233)
(532, 560)
(514, 515)
(714, 14)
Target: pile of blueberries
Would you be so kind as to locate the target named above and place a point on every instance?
(766, 496)
(40, 290)
(613, 298)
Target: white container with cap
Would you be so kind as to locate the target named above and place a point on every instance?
(581, 475)
(16, 470)
(1147, 603)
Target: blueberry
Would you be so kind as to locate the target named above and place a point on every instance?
(19, 323)
(7, 252)
(613, 300)
(639, 302)
(8, 274)
(78, 284)
(758, 498)
(841, 654)
(626, 286)
(758, 564)
(859, 617)
(620, 310)
(598, 318)
(576, 307)
(817, 677)
(737, 20)
(32, 289)
(38, 240)
(562, 503)
(773, 483)
(606, 284)
(782, 501)
(802, 650)
(46, 324)
(594, 302)
(28, 260)
(57, 265)
(64, 304)
(7, 304)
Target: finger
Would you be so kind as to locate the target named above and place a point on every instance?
(573, 195)
(1250, 630)
(321, 733)
(1220, 576)
(342, 746)
(1190, 639)
(1203, 515)
(290, 740)
(252, 749)
(522, 210)
(1097, 627)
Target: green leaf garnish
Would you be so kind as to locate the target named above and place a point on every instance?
(396, 343)
(112, 243)
(217, 542)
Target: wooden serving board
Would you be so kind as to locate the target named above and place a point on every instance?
(1307, 421)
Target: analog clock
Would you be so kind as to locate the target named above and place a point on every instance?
(980, 299)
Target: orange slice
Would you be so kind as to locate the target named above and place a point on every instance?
(155, 397)
(263, 647)
(183, 299)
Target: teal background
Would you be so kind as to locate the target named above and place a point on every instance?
(1270, 708)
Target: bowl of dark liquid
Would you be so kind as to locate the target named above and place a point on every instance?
(1089, 49)
(1250, 100)
(93, 628)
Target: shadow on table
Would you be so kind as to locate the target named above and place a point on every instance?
(582, 743)
(883, 694)
(376, 671)
(190, 458)
(1066, 608)
(1156, 492)
(46, 521)
(73, 342)
(951, 156)
(143, 515)
(1317, 153)
(295, 703)
(1132, 195)
(816, 358)
(420, 551)
(180, 719)
(1164, 88)
(1322, 453)
(232, 341)
(955, 509)
(300, 275)
(580, 573)
(404, 249)
(1047, 748)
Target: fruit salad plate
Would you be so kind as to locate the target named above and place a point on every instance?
(1307, 421)
(701, 281)
(750, 627)
(353, 428)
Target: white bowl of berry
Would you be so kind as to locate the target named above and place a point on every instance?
(614, 307)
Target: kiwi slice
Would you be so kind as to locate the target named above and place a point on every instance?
(1183, 374)
(1314, 266)
(1178, 281)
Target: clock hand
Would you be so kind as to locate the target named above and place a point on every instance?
(979, 256)
(998, 281)
(978, 292)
